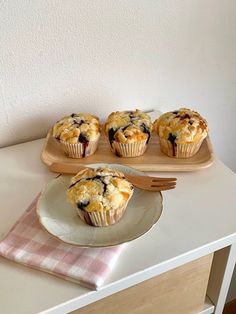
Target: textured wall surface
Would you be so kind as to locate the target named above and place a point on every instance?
(57, 57)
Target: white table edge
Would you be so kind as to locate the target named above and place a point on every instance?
(136, 278)
(91, 296)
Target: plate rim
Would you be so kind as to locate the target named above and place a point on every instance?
(91, 245)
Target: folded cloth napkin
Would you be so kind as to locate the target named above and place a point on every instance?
(29, 244)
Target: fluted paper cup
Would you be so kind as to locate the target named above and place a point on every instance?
(129, 150)
(103, 218)
(186, 150)
(79, 150)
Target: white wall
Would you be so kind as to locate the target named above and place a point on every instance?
(59, 57)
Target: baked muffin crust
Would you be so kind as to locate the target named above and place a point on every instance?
(181, 126)
(128, 127)
(101, 189)
(77, 128)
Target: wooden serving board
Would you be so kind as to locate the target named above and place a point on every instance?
(152, 160)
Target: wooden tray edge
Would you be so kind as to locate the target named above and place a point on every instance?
(42, 157)
(70, 168)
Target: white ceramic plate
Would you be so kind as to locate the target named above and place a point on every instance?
(60, 219)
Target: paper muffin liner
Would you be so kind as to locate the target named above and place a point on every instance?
(176, 150)
(129, 150)
(103, 218)
(79, 150)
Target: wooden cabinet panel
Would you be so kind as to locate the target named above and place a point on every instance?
(181, 290)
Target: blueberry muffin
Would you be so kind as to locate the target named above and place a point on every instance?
(100, 195)
(128, 132)
(77, 134)
(181, 132)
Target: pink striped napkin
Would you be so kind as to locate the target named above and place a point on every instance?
(29, 244)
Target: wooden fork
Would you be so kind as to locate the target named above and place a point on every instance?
(147, 183)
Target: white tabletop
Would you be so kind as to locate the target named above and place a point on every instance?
(199, 217)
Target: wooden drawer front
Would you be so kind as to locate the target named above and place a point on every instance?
(181, 290)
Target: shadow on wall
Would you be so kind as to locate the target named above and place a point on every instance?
(27, 130)
(34, 123)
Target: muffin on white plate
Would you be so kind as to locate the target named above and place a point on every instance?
(100, 195)
(181, 132)
(128, 132)
(77, 134)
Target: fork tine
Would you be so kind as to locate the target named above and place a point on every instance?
(163, 179)
(157, 184)
(162, 188)
(169, 188)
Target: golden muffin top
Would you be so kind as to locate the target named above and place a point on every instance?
(77, 128)
(128, 126)
(183, 125)
(99, 189)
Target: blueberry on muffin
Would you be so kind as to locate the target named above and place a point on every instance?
(100, 196)
(181, 132)
(77, 134)
(128, 132)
